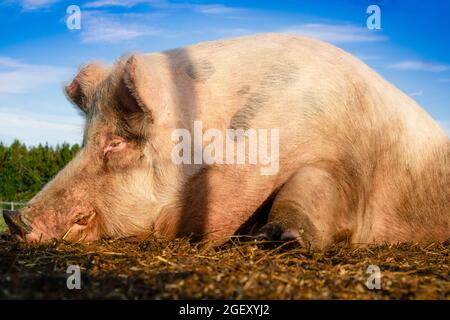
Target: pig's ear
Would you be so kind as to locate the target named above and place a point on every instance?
(83, 86)
(141, 91)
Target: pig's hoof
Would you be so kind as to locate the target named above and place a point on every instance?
(275, 232)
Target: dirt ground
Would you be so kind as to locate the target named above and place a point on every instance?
(161, 269)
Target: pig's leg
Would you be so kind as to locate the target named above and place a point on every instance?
(308, 208)
(215, 204)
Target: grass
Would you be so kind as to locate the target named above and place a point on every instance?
(2, 224)
(161, 269)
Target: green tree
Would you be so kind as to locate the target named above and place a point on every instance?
(25, 170)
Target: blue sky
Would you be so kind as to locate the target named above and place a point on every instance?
(38, 53)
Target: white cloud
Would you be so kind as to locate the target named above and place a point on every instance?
(18, 77)
(336, 33)
(114, 3)
(34, 128)
(29, 5)
(415, 65)
(109, 28)
(160, 4)
(444, 80)
(416, 93)
(215, 9)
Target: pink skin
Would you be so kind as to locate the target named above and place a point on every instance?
(80, 223)
(51, 225)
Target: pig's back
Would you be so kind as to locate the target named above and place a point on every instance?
(272, 80)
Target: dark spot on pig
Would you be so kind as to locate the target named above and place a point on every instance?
(244, 90)
(200, 70)
(242, 118)
(278, 77)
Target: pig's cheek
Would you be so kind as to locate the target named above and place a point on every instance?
(42, 231)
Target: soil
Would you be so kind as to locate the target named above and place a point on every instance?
(241, 269)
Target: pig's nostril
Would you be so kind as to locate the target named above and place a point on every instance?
(8, 215)
(15, 222)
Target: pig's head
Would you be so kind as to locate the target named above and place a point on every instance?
(112, 188)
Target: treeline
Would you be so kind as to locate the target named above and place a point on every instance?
(25, 170)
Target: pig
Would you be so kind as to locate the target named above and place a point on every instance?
(358, 160)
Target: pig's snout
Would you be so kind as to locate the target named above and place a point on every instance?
(16, 223)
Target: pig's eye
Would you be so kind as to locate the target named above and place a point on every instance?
(115, 145)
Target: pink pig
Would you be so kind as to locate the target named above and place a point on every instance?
(357, 159)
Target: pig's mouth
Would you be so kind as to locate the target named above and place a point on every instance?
(21, 229)
(18, 227)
